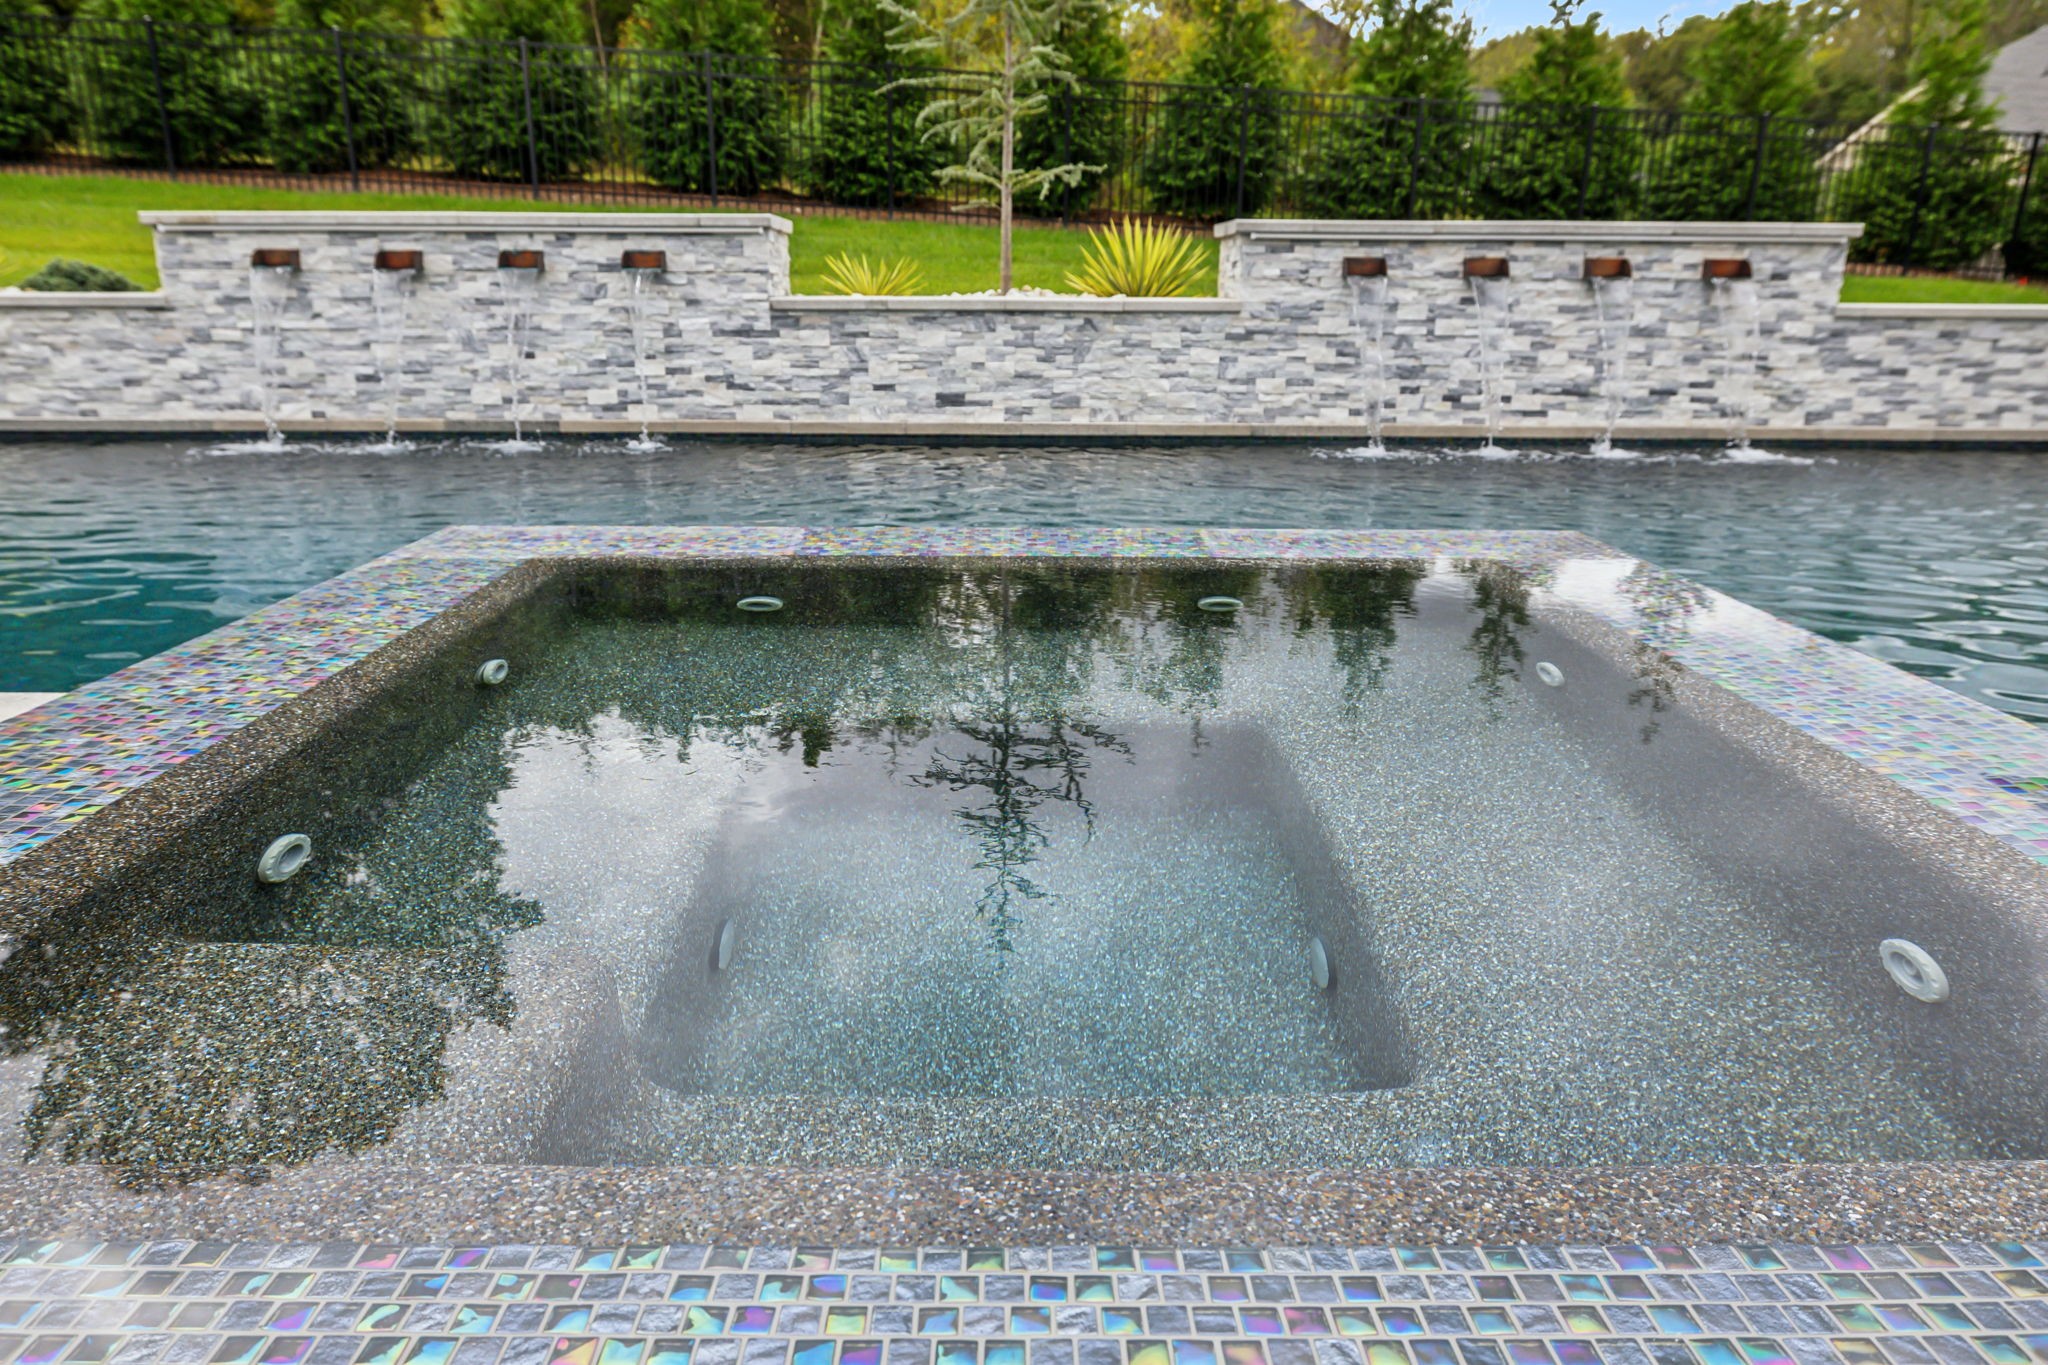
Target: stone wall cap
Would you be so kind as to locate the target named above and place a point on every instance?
(1985, 312)
(126, 298)
(990, 303)
(1528, 230)
(398, 224)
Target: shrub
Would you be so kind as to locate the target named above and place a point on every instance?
(849, 274)
(1410, 124)
(484, 103)
(866, 141)
(1749, 76)
(1934, 188)
(1083, 123)
(305, 131)
(213, 113)
(64, 277)
(1230, 114)
(1564, 150)
(1138, 261)
(32, 105)
(676, 111)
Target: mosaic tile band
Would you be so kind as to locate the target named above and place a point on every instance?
(126, 1303)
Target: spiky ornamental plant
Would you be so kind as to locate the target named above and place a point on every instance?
(982, 115)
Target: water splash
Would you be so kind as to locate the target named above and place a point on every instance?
(518, 288)
(1369, 321)
(390, 296)
(1491, 298)
(636, 314)
(270, 286)
(1614, 307)
(1736, 308)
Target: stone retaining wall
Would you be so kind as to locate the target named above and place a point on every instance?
(1278, 349)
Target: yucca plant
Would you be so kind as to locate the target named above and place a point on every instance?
(1139, 260)
(847, 274)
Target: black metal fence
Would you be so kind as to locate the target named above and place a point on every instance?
(357, 110)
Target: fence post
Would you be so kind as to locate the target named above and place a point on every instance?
(526, 91)
(1920, 194)
(1414, 162)
(1586, 158)
(348, 123)
(1244, 128)
(163, 108)
(710, 127)
(2019, 212)
(1756, 167)
(889, 136)
(1066, 148)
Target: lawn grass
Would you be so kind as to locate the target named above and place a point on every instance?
(92, 218)
(1938, 289)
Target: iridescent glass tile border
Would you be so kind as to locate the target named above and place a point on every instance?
(65, 760)
(352, 1303)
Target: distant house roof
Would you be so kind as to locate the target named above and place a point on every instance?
(2018, 80)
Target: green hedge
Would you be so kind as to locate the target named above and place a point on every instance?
(699, 71)
(305, 131)
(33, 108)
(215, 116)
(483, 99)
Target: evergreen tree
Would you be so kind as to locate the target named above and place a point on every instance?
(1083, 122)
(980, 111)
(1228, 114)
(32, 105)
(703, 72)
(1410, 126)
(1934, 188)
(304, 128)
(1739, 152)
(484, 96)
(214, 115)
(866, 139)
(1567, 148)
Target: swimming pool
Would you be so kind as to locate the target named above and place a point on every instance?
(1931, 559)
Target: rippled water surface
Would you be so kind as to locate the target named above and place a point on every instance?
(1931, 559)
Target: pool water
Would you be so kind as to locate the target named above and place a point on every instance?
(1029, 866)
(1933, 560)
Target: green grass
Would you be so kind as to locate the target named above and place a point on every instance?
(1935, 289)
(92, 218)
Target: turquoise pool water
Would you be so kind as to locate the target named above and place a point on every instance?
(1933, 560)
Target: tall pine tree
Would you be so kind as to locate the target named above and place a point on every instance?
(1217, 149)
(1934, 186)
(1398, 150)
(864, 145)
(1741, 152)
(1567, 148)
(702, 75)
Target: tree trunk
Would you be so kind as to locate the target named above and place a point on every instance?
(1009, 151)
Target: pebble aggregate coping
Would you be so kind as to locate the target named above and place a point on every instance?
(340, 1303)
(70, 757)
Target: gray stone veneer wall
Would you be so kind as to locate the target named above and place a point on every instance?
(1277, 348)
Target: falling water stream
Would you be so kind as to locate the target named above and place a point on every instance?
(518, 288)
(1735, 305)
(269, 287)
(636, 313)
(1614, 303)
(390, 295)
(1491, 297)
(1369, 321)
